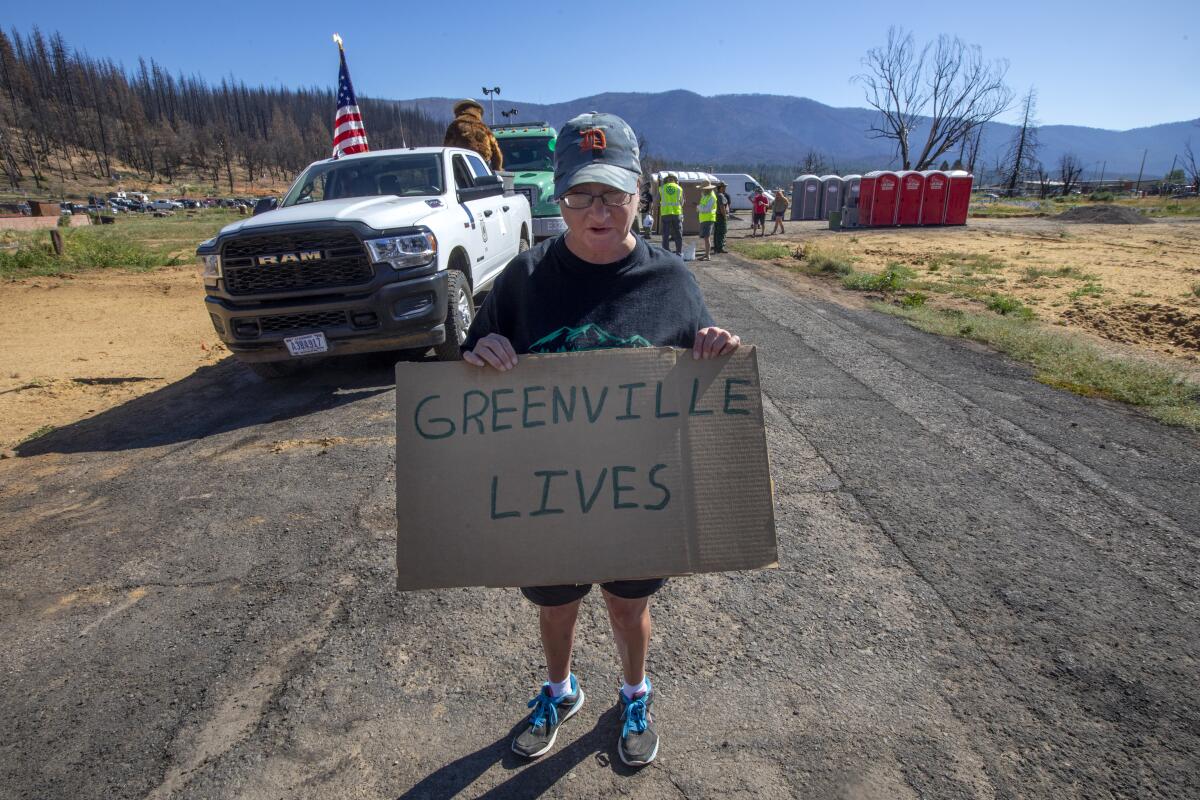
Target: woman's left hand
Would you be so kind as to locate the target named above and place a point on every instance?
(713, 342)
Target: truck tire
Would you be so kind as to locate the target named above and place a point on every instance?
(272, 370)
(524, 245)
(460, 312)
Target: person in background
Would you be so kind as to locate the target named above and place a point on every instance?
(758, 217)
(469, 131)
(722, 219)
(706, 208)
(645, 215)
(670, 212)
(779, 207)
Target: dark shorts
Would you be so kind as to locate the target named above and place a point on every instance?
(777, 215)
(705, 229)
(759, 219)
(569, 593)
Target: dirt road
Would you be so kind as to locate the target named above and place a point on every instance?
(987, 590)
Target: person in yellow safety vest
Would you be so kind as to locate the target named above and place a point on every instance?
(670, 212)
(707, 207)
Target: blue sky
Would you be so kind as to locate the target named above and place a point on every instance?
(1099, 63)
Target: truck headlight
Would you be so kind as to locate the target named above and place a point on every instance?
(210, 268)
(402, 252)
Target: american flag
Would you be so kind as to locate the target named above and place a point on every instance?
(349, 135)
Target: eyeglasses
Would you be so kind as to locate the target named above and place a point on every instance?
(582, 200)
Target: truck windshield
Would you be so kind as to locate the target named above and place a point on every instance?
(527, 152)
(409, 175)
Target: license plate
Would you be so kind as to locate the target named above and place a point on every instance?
(307, 344)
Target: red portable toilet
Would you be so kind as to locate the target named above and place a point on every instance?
(866, 196)
(933, 203)
(958, 197)
(884, 192)
(912, 189)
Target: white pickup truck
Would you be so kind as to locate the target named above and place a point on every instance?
(376, 251)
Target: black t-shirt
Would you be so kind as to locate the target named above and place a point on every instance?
(548, 300)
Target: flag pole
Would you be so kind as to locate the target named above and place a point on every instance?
(338, 41)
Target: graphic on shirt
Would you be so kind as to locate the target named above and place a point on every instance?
(588, 337)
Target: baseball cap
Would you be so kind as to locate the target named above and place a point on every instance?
(596, 148)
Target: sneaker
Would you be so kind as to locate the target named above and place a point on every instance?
(638, 744)
(548, 713)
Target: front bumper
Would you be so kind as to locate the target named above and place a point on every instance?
(545, 227)
(396, 316)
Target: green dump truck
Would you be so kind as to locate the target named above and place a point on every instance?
(528, 149)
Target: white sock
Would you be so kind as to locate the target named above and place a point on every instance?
(560, 688)
(630, 691)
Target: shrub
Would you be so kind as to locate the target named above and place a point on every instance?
(913, 299)
(1102, 197)
(892, 279)
(1008, 306)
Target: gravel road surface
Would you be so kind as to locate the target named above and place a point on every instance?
(987, 590)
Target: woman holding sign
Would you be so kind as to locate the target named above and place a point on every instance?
(596, 286)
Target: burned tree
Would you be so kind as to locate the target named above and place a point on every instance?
(1022, 151)
(1070, 168)
(1189, 163)
(948, 87)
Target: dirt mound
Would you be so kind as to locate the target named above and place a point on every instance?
(1103, 215)
(1160, 327)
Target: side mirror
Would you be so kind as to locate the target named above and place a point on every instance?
(265, 204)
(489, 180)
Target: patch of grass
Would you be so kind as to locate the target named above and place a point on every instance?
(1070, 363)
(761, 251)
(1089, 289)
(42, 431)
(819, 260)
(892, 279)
(913, 299)
(1196, 289)
(1101, 197)
(966, 263)
(1006, 305)
(1033, 274)
(134, 242)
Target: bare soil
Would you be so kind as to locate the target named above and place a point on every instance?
(1129, 285)
(77, 346)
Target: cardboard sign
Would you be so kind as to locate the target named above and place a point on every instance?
(581, 468)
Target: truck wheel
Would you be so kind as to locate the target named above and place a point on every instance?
(524, 245)
(271, 370)
(460, 311)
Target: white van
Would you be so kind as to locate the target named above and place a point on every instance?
(741, 187)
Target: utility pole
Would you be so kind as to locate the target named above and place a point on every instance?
(1137, 189)
(492, 94)
(1103, 164)
(1172, 172)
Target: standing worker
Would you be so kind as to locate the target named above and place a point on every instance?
(722, 219)
(707, 208)
(670, 212)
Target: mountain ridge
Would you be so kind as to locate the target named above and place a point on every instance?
(764, 128)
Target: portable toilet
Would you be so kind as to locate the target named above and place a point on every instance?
(831, 195)
(958, 196)
(880, 209)
(806, 197)
(933, 202)
(863, 202)
(851, 187)
(912, 189)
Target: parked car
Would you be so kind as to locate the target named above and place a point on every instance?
(383, 250)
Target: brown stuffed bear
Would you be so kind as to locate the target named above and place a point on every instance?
(469, 131)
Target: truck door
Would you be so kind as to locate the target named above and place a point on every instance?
(502, 239)
(474, 209)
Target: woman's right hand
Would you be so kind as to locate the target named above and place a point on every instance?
(492, 350)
